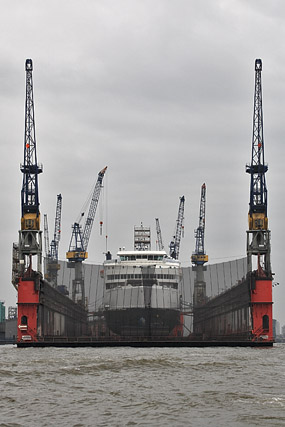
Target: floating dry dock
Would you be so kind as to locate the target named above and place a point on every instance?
(143, 305)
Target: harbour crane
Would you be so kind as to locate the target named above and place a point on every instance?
(52, 265)
(30, 235)
(77, 252)
(174, 245)
(258, 235)
(159, 236)
(46, 237)
(199, 258)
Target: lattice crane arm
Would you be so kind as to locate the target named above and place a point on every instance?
(92, 209)
(199, 256)
(80, 237)
(175, 243)
(46, 237)
(257, 215)
(159, 236)
(57, 230)
(30, 168)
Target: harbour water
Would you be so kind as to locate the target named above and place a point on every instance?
(142, 386)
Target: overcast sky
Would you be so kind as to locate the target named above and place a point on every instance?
(162, 93)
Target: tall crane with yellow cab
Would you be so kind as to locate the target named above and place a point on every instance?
(77, 252)
(30, 235)
(258, 235)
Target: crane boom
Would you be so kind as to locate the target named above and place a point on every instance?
(92, 209)
(80, 239)
(57, 229)
(175, 243)
(51, 250)
(77, 252)
(159, 236)
(199, 256)
(46, 236)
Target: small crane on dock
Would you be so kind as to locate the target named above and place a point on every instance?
(174, 245)
(52, 265)
(77, 252)
(199, 258)
(258, 235)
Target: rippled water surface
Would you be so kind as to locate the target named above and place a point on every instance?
(142, 386)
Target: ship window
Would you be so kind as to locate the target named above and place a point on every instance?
(24, 320)
(265, 322)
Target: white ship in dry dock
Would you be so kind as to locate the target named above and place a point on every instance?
(142, 290)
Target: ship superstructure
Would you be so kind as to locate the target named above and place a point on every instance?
(141, 290)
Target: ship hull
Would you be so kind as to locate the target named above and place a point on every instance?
(142, 322)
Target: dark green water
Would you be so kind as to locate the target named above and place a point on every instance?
(142, 387)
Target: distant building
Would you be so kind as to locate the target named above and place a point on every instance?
(276, 328)
(283, 331)
(12, 313)
(11, 330)
(2, 321)
(2, 311)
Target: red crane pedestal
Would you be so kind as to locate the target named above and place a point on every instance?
(261, 303)
(28, 302)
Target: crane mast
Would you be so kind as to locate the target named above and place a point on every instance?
(159, 236)
(174, 245)
(57, 230)
(77, 252)
(46, 236)
(30, 236)
(258, 235)
(199, 258)
(52, 265)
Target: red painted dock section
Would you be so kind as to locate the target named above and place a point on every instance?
(261, 302)
(28, 301)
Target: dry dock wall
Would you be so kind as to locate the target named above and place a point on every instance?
(43, 311)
